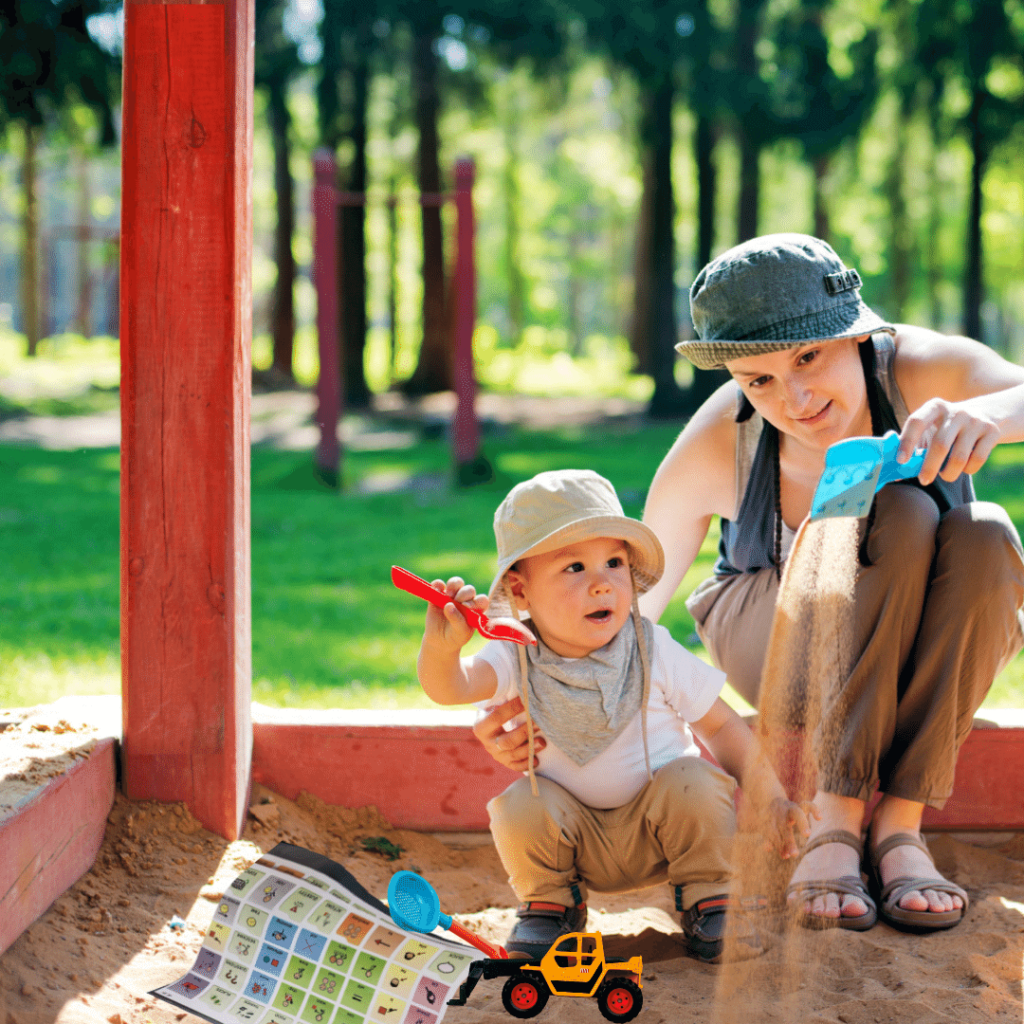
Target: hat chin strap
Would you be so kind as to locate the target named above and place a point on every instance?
(645, 665)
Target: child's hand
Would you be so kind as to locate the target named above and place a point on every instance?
(788, 824)
(447, 627)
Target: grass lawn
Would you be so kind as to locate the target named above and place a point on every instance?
(329, 629)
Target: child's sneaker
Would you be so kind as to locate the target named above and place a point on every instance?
(704, 928)
(540, 924)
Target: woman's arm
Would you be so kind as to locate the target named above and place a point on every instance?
(696, 480)
(963, 398)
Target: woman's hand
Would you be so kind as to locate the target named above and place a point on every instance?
(510, 749)
(959, 437)
(788, 825)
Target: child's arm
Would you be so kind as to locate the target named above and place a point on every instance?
(737, 750)
(446, 677)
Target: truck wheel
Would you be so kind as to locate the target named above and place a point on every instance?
(620, 999)
(523, 996)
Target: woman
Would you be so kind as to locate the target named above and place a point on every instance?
(938, 600)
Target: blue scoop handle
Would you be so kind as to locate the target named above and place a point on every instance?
(891, 469)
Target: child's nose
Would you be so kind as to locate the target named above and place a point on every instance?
(601, 584)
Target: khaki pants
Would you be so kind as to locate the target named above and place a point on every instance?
(938, 617)
(678, 829)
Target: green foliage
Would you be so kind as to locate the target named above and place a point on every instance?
(48, 59)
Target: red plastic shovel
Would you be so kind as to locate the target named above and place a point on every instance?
(493, 629)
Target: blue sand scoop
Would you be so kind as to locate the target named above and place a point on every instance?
(414, 906)
(855, 469)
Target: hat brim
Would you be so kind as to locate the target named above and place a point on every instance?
(646, 557)
(848, 321)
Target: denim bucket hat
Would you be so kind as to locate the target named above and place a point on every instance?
(772, 293)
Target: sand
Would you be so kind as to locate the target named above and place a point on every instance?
(96, 953)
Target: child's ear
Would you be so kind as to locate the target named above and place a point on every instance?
(517, 587)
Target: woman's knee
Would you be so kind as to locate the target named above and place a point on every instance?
(904, 529)
(980, 541)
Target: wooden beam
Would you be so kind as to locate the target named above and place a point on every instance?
(421, 769)
(186, 309)
(51, 838)
(439, 778)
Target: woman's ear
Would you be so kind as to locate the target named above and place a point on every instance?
(517, 588)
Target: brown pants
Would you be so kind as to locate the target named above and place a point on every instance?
(679, 829)
(938, 616)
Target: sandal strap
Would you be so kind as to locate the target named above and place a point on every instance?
(845, 885)
(899, 839)
(899, 887)
(838, 835)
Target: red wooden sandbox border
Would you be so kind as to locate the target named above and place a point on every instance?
(438, 778)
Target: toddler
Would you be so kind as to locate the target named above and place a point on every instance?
(620, 797)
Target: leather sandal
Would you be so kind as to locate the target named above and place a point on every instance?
(799, 893)
(889, 895)
(540, 924)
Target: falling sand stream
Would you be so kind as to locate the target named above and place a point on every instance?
(800, 723)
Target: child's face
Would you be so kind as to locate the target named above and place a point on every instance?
(578, 597)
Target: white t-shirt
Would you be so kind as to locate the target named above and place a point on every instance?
(683, 688)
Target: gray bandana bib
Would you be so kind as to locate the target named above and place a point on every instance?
(582, 704)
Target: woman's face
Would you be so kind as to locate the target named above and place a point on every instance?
(815, 393)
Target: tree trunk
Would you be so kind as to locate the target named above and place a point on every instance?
(353, 244)
(30, 245)
(705, 381)
(704, 145)
(282, 315)
(973, 269)
(392, 277)
(748, 29)
(640, 333)
(434, 369)
(668, 399)
(748, 212)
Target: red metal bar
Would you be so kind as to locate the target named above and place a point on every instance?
(325, 279)
(186, 316)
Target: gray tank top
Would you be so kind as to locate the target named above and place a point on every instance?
(748, 542)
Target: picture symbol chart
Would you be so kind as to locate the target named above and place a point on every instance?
(295, 939)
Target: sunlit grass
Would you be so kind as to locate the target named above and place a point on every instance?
(328, 628)
(69, 375)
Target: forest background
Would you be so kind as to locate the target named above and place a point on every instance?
(618, 146)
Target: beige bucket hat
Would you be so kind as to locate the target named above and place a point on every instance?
(562, 507)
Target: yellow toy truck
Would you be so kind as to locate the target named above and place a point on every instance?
(574, 966)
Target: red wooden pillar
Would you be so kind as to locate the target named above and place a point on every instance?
(186, 313)
(325, 281)
(470, 465)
